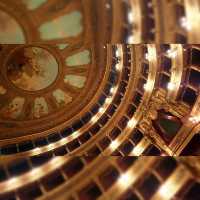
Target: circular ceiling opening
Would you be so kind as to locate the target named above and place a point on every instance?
(32, 68)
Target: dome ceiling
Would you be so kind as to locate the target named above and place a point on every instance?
(50, 74)
(84, 115)
(53, 73)
(38, 83)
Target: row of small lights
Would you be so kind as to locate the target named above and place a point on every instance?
(138, 150)
(130, 16)
(133, 122)
(183, 23)
(115, 143)
(172, 53)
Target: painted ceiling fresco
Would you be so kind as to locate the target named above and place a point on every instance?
(32, 69)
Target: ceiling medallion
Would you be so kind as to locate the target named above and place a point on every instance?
(32, 68)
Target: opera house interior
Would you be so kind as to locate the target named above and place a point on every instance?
(99, 99)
